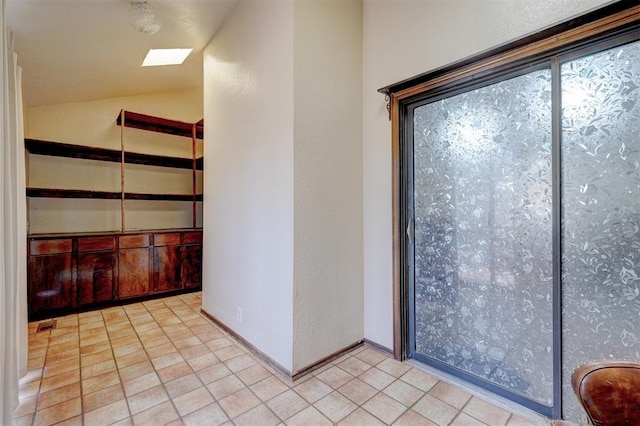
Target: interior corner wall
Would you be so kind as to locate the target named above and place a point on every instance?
(248, 178)
(400, 40)
(328, 310)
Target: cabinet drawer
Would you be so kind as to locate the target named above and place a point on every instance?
(166, 239)
(192, 237)
(96, 244)
(50, 246)
(133, 241)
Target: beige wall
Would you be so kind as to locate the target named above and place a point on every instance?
(248, 211)
(283, 234)
(93, 124)
(327, 178)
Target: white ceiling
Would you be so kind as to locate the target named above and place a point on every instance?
(79, 50)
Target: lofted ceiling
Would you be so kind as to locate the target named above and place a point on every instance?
(80, 50)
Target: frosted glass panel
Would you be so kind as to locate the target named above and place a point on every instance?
(601, 211)
(483, 234)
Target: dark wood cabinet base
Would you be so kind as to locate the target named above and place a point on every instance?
(80, 272)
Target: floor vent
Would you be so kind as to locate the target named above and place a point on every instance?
(46, 325)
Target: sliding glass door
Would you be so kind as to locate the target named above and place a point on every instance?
(522, 208)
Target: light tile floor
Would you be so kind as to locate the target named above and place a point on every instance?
(162, 362)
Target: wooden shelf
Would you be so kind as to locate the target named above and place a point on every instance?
(79, 193)
(162, 125)
(56, 149)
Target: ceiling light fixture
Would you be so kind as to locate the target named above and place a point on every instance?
(157, 57)
(143, 17)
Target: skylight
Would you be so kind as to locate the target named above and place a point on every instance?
(157, 57)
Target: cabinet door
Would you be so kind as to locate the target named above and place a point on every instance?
(192, 265)
(95, 277)
(166, 268)
(133, 272)
(50, 282)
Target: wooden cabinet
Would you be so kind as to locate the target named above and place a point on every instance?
(191, 267)
(82, 272)
(50, 275)
(134, 264)
(96, 276)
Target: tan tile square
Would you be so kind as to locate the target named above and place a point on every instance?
(119, 342)
(123, 332)
(107, 414)
(26, 406)
(183, 385)
(100, 382)
(384, 407)
(61, 367)
(194, 351)
(309, 416)
(96, 358)
(212, 415)
(70, 355)
(435, 410)
(56, 396)
(466, 420)
(58, 412)
(98, 369)
(131, 359)
(128, 349)
(335, 377)
(313, 389)
(140, 384)
(239, 402)
(96, 338)
(486, 412)
(287, 404)
(164, 411)
(360, 417)
(154, 341)
(136, 370)
(371, 356)
(335, 406)
(209, 336)
(193, 401)
(62, 347)
(165, 361)
(354, 366)
(144, 400)
(393, 367)
(161, 350)
(411, 418)
(96, 347)
(419, 379)
(358, 391)
(376, 378)
(150, 334)
(188, 342)
(268, 388)
(240, 363)
(178, 334)
(253, 374)
(32, 376)
(260, 415)
(224, 387)
(450, 394)
(146, 326)
(403, 392)
(59, 380)
(228, 352)
(102, 397)
(203, 361)
(203, 328)
(174, 371)
(519, 421)
(220, 343)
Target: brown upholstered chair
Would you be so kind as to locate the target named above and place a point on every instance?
(609, 391)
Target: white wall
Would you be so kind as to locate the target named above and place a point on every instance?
(402, 39)
(248, 211)
(328, 311)
(93, 124)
